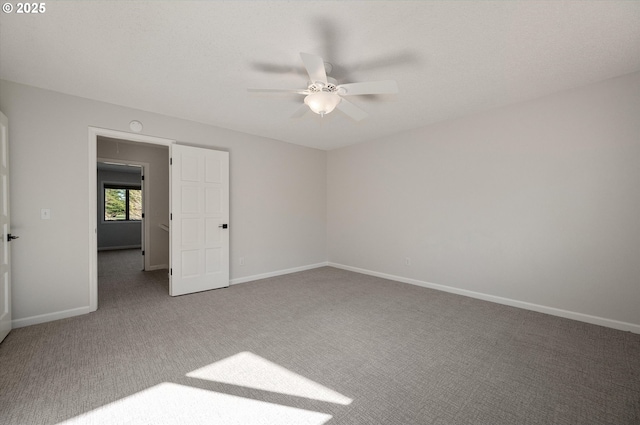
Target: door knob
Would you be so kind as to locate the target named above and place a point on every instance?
(224, 226)
(10, 237)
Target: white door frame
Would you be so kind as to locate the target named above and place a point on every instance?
(94, 132)
(144, 184)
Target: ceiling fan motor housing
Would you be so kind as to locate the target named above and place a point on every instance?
(330, 86)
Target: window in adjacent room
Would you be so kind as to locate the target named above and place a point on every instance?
(122, 203)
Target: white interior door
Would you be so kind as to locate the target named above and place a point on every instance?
(5, 251)
(199, 222)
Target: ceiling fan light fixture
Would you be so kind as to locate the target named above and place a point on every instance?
(322, 102)
(323, 93)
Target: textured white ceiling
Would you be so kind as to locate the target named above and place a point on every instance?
(195, 60)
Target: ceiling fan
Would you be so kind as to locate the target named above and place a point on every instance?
(323, 94)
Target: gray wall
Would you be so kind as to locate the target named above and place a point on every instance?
(537, 203)
(278, 194)
(117, 234)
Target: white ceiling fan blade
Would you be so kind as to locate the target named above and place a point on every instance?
(301, 111)
(315, 67)
(299, 91)
(369, 87)
(351, 110)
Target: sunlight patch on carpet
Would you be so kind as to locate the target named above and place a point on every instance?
(173, 404)
(247, 369)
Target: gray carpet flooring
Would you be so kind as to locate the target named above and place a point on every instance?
(324, 346)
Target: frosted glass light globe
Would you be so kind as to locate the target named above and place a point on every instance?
(322, 102)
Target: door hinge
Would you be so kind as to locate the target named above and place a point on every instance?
(142, 178)
(142, 215)
(170, 161)
(171, 216)
(171, 272)
(142, 252)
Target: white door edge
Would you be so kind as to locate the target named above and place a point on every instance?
(5, 231)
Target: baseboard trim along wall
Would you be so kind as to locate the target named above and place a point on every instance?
(595, 320)
(158, 267)
(116, 248)
(276, 273)
(49, 317)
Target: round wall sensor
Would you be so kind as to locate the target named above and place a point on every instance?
(136, 126)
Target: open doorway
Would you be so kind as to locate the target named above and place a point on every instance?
(153, 162)
(120, 228)
(121, 223)
(132, 214)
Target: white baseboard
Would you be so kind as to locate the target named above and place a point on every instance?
(602, 321)
(49, 317)
(276, 273)
(595, 320)
(115, 248)
(157, 267)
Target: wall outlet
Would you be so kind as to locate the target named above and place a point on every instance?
(407, 261)
(241, 261)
